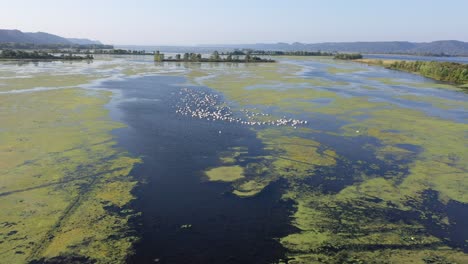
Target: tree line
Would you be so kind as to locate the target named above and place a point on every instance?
(348, 56)
(39, 55)
(441, 71)
(214, 57)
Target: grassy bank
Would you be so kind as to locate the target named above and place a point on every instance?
(456, 73)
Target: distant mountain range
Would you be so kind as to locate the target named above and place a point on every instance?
(17, 36)
(447, 47)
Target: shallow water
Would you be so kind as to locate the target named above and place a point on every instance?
(359, 159)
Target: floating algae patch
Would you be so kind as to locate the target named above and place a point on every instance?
(7, 74)
(399, 82)
(368, 87)
(234, 83)
(295, 156)
(365, 222)
(336, 70)
(225, 173)
(362, 200)
(288, 98)
(443, 155)
(290, 157)
(139, 69)
(148, 67)
(437, 102)
(250, 188)
(353, 227)
(45, 80)
(60, 175)
(232, 156)
(382, 216)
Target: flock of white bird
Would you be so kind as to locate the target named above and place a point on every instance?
(208, 106)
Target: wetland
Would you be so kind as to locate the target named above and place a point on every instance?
(306, 160)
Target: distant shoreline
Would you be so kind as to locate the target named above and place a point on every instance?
(449, 72)
(45, 56)
(37, 60)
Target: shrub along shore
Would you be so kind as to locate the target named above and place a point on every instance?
(452, 72)
(37, 55)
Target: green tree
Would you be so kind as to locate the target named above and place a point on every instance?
(248, 57)
(158, 56)
(215, 56)
(193, 57)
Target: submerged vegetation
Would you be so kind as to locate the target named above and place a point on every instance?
(374, 190)
(371, 181)
(226, 173)
(65, 187)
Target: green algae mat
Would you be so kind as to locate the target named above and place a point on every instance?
(373, 177)
(59, 172)
(378, 174)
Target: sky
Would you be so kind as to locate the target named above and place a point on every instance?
(192, 22)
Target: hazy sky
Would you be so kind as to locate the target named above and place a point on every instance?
(189, 22)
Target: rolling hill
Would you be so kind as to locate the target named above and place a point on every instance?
(17, 36)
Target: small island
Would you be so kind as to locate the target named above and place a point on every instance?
(348, 56)
(215, 57)
(39, 55)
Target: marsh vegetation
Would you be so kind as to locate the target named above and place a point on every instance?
(451, 72)
(307, 160)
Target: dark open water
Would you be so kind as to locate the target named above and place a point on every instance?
(175, 151)
(224, 228)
